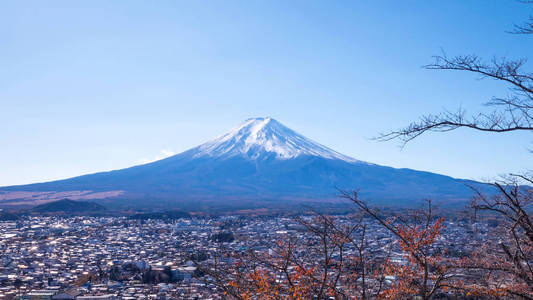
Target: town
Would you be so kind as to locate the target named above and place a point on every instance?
(124, 258)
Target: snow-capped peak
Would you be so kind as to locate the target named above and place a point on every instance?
(257, 137)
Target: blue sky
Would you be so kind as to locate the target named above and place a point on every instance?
(88, 86)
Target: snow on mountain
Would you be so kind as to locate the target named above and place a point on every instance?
(259, 137)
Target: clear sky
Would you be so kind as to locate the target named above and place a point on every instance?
(89, 86)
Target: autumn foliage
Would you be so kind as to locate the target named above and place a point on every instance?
(337, 260)
(334, 261)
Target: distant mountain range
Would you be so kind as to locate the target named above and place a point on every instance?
(257, 164)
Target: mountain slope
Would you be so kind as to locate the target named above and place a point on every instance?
(260, 160)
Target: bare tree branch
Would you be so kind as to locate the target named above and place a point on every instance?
(511, 113)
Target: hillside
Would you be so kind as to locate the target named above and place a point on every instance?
(68, 206)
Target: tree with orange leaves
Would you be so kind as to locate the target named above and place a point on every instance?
(423, 271)
(504, 265)
(330, 260)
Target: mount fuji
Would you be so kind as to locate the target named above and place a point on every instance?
(259, 163)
